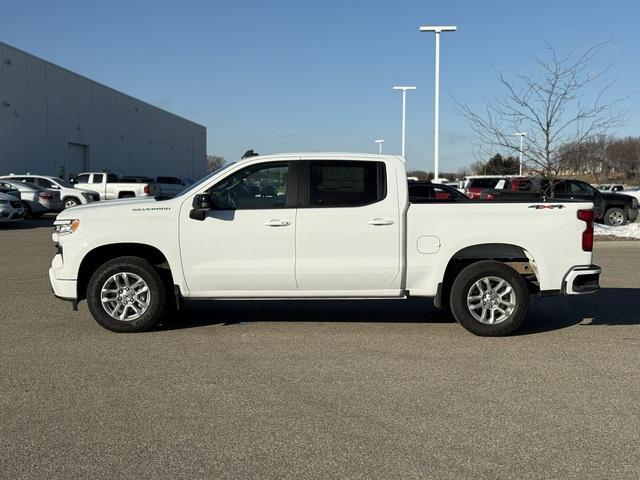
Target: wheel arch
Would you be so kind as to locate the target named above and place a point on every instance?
(68, 196)
(501, 252)
(103, 253)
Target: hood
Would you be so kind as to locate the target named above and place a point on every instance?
(613, 197)
(124, 204)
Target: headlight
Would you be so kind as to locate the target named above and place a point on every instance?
(64, 227)
(88, 196)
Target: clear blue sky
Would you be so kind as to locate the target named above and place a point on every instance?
(317, 75)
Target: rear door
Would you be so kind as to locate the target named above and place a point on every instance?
(348, 228)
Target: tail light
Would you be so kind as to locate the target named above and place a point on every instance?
(146, 189)
(46, 196)
(587, 236)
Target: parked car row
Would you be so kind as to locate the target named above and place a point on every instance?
(40, 194)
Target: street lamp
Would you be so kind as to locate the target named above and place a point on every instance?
(404, 112)
(521, 135)
(379, 142)
(437, 29)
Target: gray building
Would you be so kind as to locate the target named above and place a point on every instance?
(56, 122)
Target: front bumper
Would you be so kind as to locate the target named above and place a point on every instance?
(65, 289)
(581, 280)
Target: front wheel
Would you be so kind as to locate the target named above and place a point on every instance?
(490, 299)
(70, 202)
(126, 294)
(27, 210)
(615, 217)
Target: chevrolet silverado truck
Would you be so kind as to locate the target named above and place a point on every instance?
(109, 186)
(317, 226)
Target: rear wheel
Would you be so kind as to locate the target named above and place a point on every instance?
(490, 299)
(126, 294)
(615, 217)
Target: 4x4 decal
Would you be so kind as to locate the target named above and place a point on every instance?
(540, 207)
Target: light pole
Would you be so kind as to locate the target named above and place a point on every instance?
(404, 113)
(521, 135)
(437, 29)
(379, 142)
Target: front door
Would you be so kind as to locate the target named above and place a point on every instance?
(245, 246)
(348, 229)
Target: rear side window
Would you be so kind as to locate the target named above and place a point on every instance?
(43, 182)
(346, 184)
(483, 183)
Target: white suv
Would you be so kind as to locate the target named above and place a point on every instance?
(70, 196)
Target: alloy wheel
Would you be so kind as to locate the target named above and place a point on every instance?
(491, 300)
(125, 296)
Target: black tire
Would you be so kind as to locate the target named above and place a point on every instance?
(27, 210)
(613, 217)
(463, 285)
(143, 269)
(70, 202)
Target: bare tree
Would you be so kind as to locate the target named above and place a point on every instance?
(214, 162)
(623, 154)
(563, 107)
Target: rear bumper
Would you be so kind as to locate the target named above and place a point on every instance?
(581, 280)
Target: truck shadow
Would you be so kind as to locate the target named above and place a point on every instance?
(610, 306)
(28, 223)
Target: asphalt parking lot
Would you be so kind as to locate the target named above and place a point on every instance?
(317, 389)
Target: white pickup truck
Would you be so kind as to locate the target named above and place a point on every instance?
(321, 225)
(109, 187)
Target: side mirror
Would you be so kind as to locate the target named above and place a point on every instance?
(201, 205)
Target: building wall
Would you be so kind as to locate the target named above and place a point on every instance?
(55, 122)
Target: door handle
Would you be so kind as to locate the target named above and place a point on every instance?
(276, 222)
(380, 221)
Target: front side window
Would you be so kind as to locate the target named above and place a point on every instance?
(346, 184)
(97, 178)
(579, 188)
(261, 186)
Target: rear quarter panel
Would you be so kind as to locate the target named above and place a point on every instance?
(552, 237)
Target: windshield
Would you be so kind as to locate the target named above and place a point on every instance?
(204, 179)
